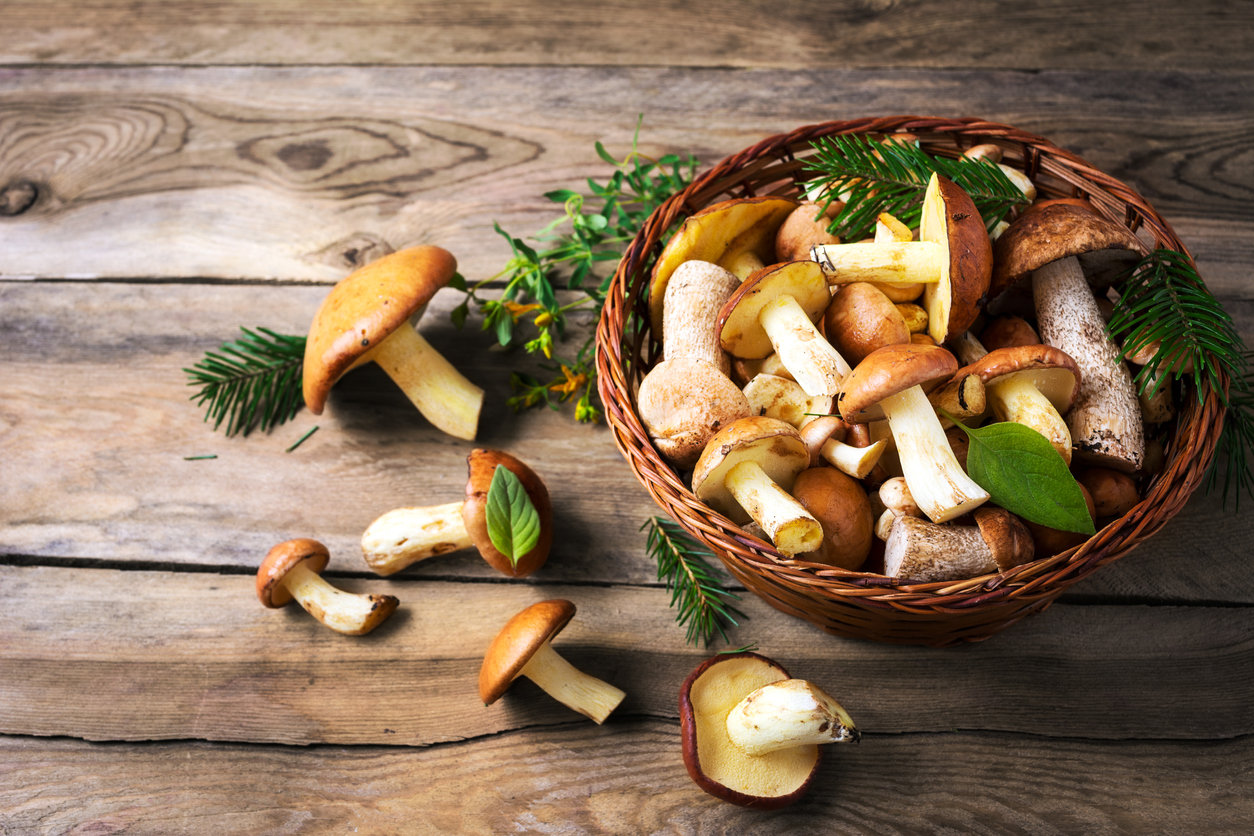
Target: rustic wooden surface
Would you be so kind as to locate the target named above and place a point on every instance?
(169, 172)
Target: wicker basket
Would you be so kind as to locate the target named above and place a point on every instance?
(858, 604)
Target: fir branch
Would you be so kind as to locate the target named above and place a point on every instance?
(697, 595)
(250, 383)
(873, 176)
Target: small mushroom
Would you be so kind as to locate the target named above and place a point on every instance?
(824, 437)
(751, 734)
(1005, 331)
(805, 227)
(775, 310)
(683, 403)
(368, 316)
(892, 382)
(840, 504)
(894, 496)
(1114, 493)
(746, 471)
(404, 536)
(923, 552)
(523, 648)
(860, 319)
(292, 570)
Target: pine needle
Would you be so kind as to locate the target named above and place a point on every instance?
(697, 593)
(250, 383)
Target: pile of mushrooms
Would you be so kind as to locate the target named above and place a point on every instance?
(798, 384)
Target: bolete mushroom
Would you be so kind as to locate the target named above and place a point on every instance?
(368, 316)
(292, 570)
(404, 536)
(825, 436)
(694, 296)
(892, 382)
(840, 504)
(775, 310)
(523, 648)
(1063, 246)
(746, 471)
(922, 552)
(683, 403)
(860, 318)
(783, 398)
(806, 226)
(751, 734)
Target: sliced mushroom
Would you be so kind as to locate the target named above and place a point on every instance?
(923, 552)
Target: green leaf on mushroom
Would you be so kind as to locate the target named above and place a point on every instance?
(513, 522)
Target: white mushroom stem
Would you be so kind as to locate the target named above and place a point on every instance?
(1105, 421)
(786, 714)
(884, 262)
(967, 347)
(344, 612)
(807, 355)
(1015, 398)
(921, 551)
(570, 686)
(854, 461)
(404, 536)
(786, 522)
(939, 485)
(440, 392)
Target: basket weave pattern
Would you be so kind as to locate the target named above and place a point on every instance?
(857, 604)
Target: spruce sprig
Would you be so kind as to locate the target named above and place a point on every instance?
(701, 602)
(250, 383)
(873, 176)
(1236, 442)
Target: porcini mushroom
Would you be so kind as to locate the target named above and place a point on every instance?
(523, 648)
(805, 226)
(751, 733)
(775, 310)
(746, 471)
(920, 551)
(860, 318)
(404, 536)
(694, 295)
(367, 317)
(292, 570)
(892, 382)
(824, 437)
(783, 398)
(840, 504)
(683, 403)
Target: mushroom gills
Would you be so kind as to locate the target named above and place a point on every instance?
(344, 612)
(570, 686)
(440, 392)
(404, 536)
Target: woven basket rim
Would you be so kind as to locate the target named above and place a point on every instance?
(820, 593)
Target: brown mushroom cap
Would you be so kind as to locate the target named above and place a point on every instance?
(804, 227)
(517, 642)
(950, 218)
(889, 370)
(841, 506)
(481, 465)
(1008, 330)
(717, 765)
(861, 318)
(364, 308)
(282, 559)
(1051, 370)
(740, 331)
(1057, 230)
(775, 445)
(721, 233)
(684, 402)
(1008, 539)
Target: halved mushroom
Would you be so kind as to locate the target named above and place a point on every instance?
(774, 310)
(751, 734)
(368, 316)
(522, 648)
(892, 382)
(292, 570)
(746, 471)
(920, 551)
(404, 536)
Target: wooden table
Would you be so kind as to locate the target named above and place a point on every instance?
(170, 172)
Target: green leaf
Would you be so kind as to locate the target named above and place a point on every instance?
(513, 522)
(1024, 474)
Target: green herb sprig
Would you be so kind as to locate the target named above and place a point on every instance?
(873, 176)
(701, 601)
(250, 383)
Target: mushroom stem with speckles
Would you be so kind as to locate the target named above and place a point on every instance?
(292, 571)
(917, 550)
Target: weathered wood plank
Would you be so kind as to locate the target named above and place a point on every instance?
(984, 34)
(627, 778)
(229, 173)
(140, 655)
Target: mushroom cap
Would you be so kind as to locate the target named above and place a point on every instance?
(481, 465)
(1008, 539)
(683, 402)
(282, 559)
(949, 218)
(739, 330)
(1050, 369)
(841, 506)
(889, 370)
(517, 642)
(804, 227)
(1007, 330)
(1058, 229)
(713, 761)
(363, 308)
(861, 318)
(775, 445)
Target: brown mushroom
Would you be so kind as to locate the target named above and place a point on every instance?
(751, 734)
(523, 648)
(860, 318)
(775, 310)
(1114, 493)
(892, 382)
(404, 536)
(683, 402)
(367, 317)
(805, 226)
(840, 504)
(824, 437)
(292, 570)
(746, 471)
(1005, 331)
(694, 295)
(923, 552)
